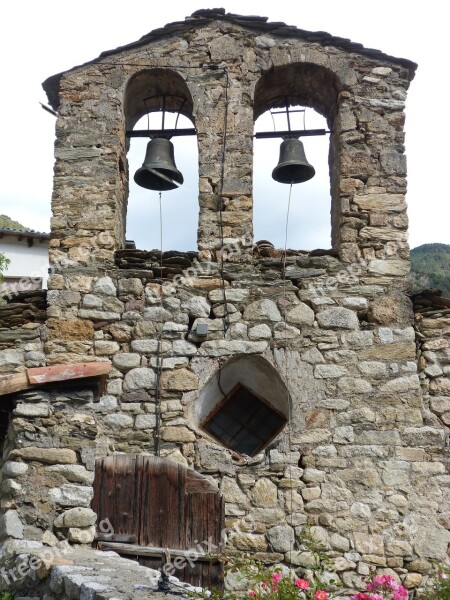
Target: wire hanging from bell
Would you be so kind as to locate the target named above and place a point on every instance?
(157, 433)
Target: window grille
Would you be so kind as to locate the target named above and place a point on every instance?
(244, 422)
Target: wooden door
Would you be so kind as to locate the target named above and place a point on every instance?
(154, 504)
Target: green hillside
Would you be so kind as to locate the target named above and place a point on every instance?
(430, 265)
(7, 223)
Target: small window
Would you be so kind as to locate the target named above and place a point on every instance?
(244, 422)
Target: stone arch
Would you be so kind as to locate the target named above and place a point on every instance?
(155, 82)
(310, 85)
(302, 83)
(259, 379)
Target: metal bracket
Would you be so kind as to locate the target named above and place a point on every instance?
(296, 133)
(163, 582)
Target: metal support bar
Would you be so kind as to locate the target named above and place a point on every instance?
(287, 114)
(283, 112)
(261, 135)
(160, 132)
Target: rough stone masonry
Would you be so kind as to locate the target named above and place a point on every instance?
(325, 338)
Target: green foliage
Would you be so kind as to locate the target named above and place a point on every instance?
(6, 596)
(438, 586)
(271, 583)
(263, 582)
(7, 223)
(430, 264)
(4, 262)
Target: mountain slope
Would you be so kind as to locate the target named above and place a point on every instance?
(430, 264)
(7, 223)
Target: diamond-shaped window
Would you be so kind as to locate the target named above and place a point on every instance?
(244, 422)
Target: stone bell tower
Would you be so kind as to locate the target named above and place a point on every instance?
(288, 379)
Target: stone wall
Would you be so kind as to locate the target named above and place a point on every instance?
(360, 459)
(21, 330)
(326, 337)
(432, 323)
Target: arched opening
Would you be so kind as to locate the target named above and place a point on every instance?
(244, 406)
(309, 214)
(310, 93)
(159, 99)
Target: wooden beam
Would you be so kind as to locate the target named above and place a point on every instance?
(156, 552)
(120, 538)
(36, 377)
(40, 375)
(15, 382)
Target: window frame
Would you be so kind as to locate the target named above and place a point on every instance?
(255, 397)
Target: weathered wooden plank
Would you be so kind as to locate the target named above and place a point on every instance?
(154, 551)
(204, 525)
(40, 375)
(204, 521)
(155, 504)
(127, 493)
(15, 382)
(162, 503)
(118, 538)
(116, 493)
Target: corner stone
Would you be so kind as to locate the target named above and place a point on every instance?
(177, 434)
(369, 544)
(140, 378)
(281, 538)
(338, 318)
(301, 315)
(11, 526)
(52, 456)
(262, 310)
(76, 517)
(181, 380)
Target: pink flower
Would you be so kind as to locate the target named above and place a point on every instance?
(251, 593)
(443, 575)
(302, 584)
(263, 585)
(321, 595)
(381, 581)
(361, 596)
(400, 593)
(275, 588)
(276, 577)
(386, 582)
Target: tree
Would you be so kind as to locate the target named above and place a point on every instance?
(430, 264)
(4, 262)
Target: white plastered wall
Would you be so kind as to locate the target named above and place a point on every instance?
(26, 261)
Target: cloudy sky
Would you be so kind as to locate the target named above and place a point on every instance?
(39, 39)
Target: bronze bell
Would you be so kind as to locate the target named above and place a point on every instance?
(159, 171)
(292, 166)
